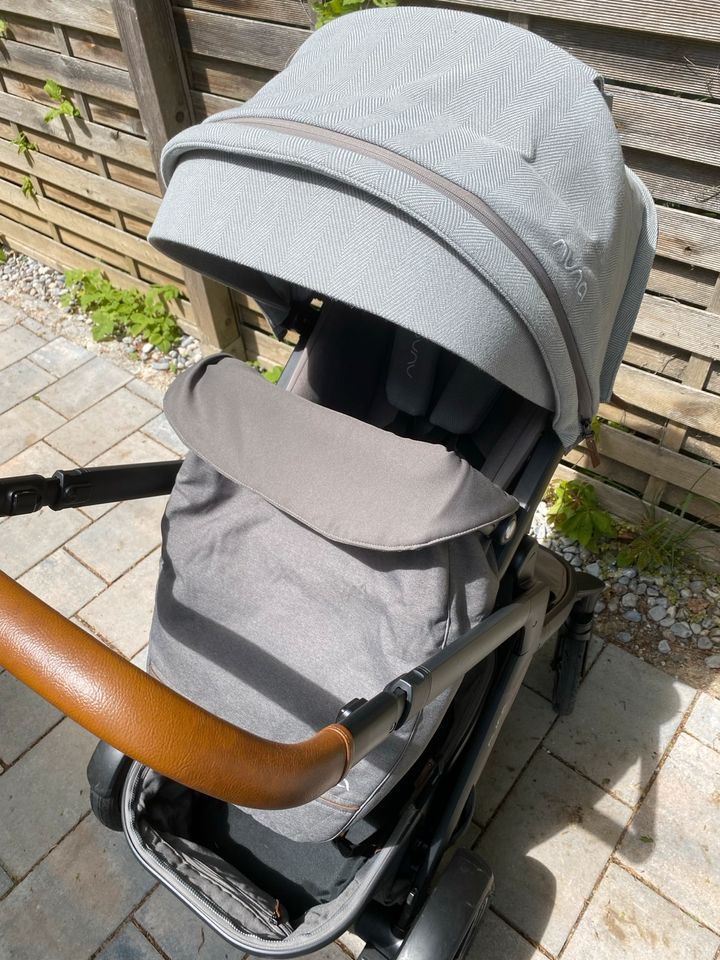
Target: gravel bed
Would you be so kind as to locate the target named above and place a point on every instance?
(670, 619)
(36, 290)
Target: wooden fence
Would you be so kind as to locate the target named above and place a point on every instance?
(135, 84)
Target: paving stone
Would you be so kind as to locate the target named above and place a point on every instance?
(24, 425)
(60, 356)
(71, 903)
(10, 315)
(161, 431)
(123, 613)
(102, 426)
(28, 539)
(38, 458)
(24, 718)
(137, 448)
(84, 387)
(128, 944)
(147, 391)
(120, 538)
(15, 343)
(704, 721)
(5, 882)
(681, 816)
(541, 676)
(527, 723)
(179, 933)
(496, 940)
(351, 944)
(628, 921)
(547, 845)
(43, 796)
(625, 715)
(62, 582)
(20, 381)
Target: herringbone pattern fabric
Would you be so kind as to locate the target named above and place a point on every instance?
(493, 108)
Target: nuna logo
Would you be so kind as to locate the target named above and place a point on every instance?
(414, 356)
(572, 267)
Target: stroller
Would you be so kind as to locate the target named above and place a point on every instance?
(348, 598)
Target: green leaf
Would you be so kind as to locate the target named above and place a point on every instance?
(3, 29)
(22, 143)
(3, 256)
(68, 109)
(53, 89)
(27, 187)
(273, 374)
(646, 839)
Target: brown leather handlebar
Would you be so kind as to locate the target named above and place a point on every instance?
(148, 721)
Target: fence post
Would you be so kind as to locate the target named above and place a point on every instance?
(149, 40)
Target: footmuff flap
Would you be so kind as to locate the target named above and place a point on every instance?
(308, 559)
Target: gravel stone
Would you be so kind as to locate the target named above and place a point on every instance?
(593, 569)
(640, 589)
(681, 630)
(697, 586)
(664, 647)
(667, 622)
(624, 637)
(713, 662)
(629, 600)
(704, 643)
(657, 613)
(634, 616)
(160, 364)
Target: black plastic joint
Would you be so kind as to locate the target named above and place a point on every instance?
(416, 688)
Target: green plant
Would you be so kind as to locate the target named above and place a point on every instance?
(22, 143)
(3, 29)
(3, 256)
(117, 313)
(65, 107)
(28, 188)
(658, 542)
(272, 374)
(576, 513)
(327, 10)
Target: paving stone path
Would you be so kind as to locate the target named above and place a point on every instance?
(603, 828)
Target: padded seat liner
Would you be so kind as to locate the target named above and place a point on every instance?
(343, 478)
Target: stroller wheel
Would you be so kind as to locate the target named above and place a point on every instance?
(448, 922)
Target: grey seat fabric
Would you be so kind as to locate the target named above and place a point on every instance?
(295, 581)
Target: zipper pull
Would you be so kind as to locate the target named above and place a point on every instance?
(590, 445)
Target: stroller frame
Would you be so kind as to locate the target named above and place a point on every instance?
(546, 595)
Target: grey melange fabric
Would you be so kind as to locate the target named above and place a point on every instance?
(302, 571)
(491, 108)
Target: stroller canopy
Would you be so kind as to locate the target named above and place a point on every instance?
(457, 176)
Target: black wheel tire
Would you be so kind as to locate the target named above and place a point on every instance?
(570, 656)
(448, 922)
(107, 810)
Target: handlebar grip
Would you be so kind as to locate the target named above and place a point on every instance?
(153, 724)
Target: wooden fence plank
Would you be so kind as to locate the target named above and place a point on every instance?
(259, 44)
(644, 353)
(693, 18)
(657, 460)
(666, 63)
(207, 104)
(693, 285)
(147, 34)
(668, 125)
(82, 182)
(689, 237)
(89, 46)
(679, 325)
(705, 542)
(94, 15)
(28, 30)
(82, 133)
(677, 181)
(97, 79)
(96, 230)
(294, 12)
(685, 405)
(239, 81)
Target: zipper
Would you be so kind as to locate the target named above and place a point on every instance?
(474, 205)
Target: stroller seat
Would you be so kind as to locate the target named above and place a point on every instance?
(356, 547)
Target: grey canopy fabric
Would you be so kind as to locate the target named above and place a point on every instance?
(454, 174)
